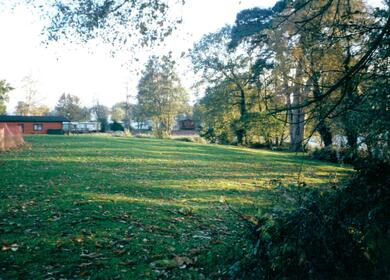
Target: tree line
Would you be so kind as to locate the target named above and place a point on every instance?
(297, 69)
(160, 99)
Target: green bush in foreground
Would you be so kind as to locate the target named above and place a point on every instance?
(335, 234)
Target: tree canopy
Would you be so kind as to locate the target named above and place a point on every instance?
(160, 94)
(312, 64)
(70, 107)
(4, 89)
(114, 21)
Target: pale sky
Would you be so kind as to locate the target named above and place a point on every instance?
(91, 72)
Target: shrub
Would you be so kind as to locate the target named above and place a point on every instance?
(193, 139)
(127, 132)
(55, 131)
(334, 234)
(118, 134)
(115, 126)
(336, 155)
(143, 135)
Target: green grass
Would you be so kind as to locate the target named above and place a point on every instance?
(107, 208)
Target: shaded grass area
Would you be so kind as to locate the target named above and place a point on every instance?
(124, 208)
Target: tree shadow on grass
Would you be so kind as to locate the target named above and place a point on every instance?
(74, 196)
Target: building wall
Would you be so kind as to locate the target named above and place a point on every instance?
(28, 127)
(187, 124)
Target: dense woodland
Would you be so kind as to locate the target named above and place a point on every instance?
(276, 78)
(308, 67)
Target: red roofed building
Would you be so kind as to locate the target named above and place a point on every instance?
(34, 124)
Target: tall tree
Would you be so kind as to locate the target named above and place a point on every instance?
(160, 94)
(118, 112)
(100, 113)
(24, 109)
(138, 115)
(211, 57)
(29, 104)
(4, 89)
(70, 107)
(323, 33)
(127, 112)
(215, 113)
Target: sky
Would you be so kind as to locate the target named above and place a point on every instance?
(90, 71)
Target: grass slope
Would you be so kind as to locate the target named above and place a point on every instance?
(106, 208)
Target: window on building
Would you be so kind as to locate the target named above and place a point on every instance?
(38, 127)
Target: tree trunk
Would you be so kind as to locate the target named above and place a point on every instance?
(240, 136)
(325, 133)
(297, 124)
(290, 112)
(322, 127)
(352, 138)
(348, 90)
(297, 127)
(240, 131)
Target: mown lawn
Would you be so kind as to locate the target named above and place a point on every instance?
(101, 207)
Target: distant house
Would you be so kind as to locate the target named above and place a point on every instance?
(81, 127)
(145, 125)
(34, 124)
(183, 122)
(186, 124)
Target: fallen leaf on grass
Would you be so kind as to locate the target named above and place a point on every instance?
(91, 255)
(13, 247)
(85, 264)
(164, 264)
(215, 242)
(120, 252)
(186, 211)
(194, 251)
(183, 260)
(99, 245)
(176, 262)
(54, 218)
(127, 263)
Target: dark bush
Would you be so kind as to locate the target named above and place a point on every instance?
(334, 234)
(258, 145)
(55, 131)
(115, 126)
(335, 155)
(327, 154)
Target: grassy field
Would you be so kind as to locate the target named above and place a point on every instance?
(101, 207)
